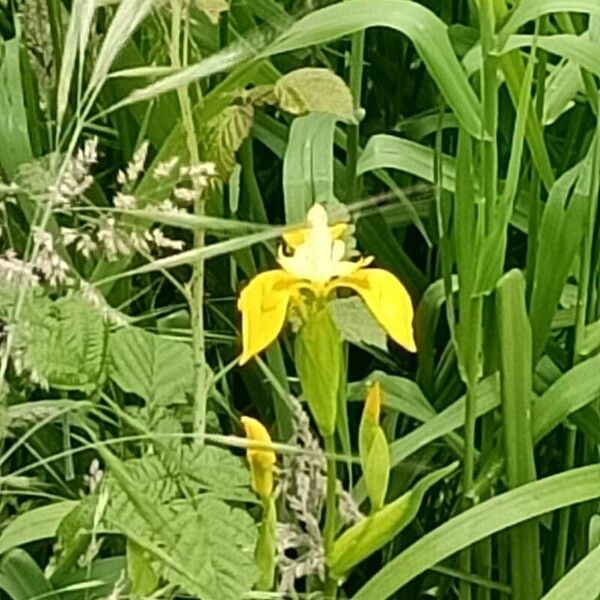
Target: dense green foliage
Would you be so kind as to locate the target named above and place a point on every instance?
(152, 154)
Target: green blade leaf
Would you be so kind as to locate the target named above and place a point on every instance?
(427, 32)
(36, 524)
(22, 579)
(308, 165)
(582, 581)
(499, 513)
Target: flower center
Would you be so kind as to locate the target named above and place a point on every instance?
(320, 257)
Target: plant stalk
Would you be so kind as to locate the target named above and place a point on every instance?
(330, 511)
(356, 76)
(196, 284)
(489, 172)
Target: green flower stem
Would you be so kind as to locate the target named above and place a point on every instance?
(536, 183)
(564, 516)
(330, 511)
(267, 544)
(356, 76)
(474, 342)
(196, 284)
(489, 173)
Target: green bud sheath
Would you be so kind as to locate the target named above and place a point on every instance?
(374, 450)
(319, 362)
(376, 468)
(266, 546)
(373, 532)
(366, 433)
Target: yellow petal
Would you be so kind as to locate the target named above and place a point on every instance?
(257, 432)
(263, 304)
(297, 237)
(261, 461)
(373, 402)
(387, 299)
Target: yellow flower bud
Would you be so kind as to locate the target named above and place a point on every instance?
(374, 450)
(261, 461)
(372, 407)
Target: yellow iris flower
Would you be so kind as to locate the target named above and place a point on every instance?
(318, 264)
(262, 462)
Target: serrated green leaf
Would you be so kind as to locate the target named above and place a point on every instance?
(139, 570)
(62, 342)
(164, 477)
(204, 545)
(216, 544)
(314, 90)
(157, 369)
(225, 134)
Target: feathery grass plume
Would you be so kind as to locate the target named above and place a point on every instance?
(97, 301)
(76, 178)
(81, 240)
(15, 270)
(37, 36)
(302, 487)
(48, 263)
(348, 509)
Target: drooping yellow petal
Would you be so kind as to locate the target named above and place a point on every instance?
(261, 460)
(263, 304)
(387, 299)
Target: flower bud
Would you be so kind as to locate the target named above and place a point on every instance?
(376, 530)
(373, 448)
(261, 461)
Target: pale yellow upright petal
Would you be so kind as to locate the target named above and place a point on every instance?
(387, 299)
(263, 304)
(297, 237)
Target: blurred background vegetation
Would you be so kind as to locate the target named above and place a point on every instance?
(151, 155)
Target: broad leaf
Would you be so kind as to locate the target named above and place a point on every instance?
(33, 525)
(61, 343)
(22, 579)
(225, 134)
(157, 369)
(356, 323)
(314, 90)
(499, 513)
(216, 544)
